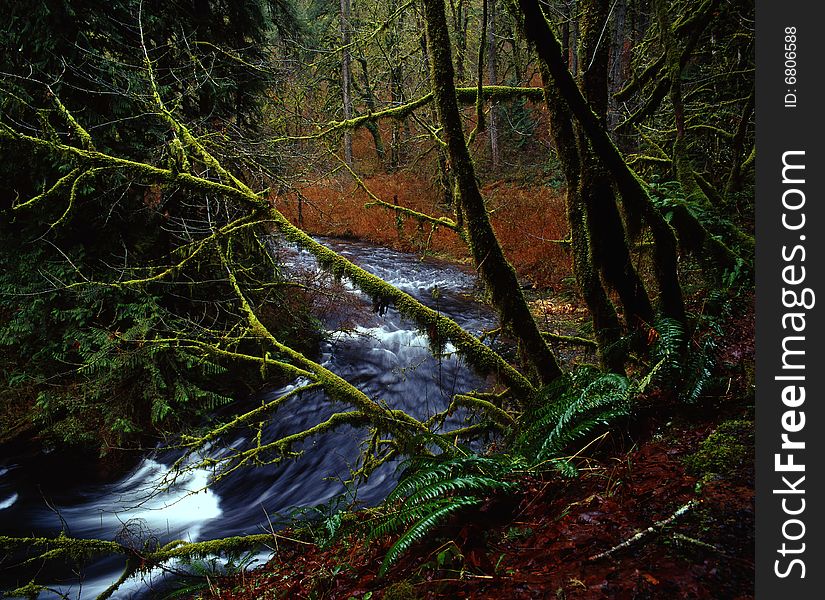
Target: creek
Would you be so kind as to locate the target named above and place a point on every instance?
(382, 353)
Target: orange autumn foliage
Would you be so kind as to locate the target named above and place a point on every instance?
(528, 219)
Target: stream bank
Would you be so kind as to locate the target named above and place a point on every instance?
(383, 354)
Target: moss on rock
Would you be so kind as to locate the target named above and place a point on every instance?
(724, 450)
(402, 590)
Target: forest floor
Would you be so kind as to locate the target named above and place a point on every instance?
(682, 475)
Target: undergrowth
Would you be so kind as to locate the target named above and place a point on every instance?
(433, 489)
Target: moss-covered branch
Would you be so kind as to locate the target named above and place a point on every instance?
(684, 26)
(569, 339)
(189, 441)
(82, 134)
(440, 327)
(81, 550)
(421, 217)
(465, 95)
(497, 414)
(58, 188)
(692, 26)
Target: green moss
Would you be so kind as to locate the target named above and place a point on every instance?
(402, 590)
(726, 449)
(30, 590)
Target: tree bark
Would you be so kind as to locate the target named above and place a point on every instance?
(369, 99)
(606, 326)
(461, 19)
(611, 252)
(708, 245)
(497, 273)
(346, 75)
(492, 121)
(634, 195)
(619, 59)
(734, 181)
(396, 85)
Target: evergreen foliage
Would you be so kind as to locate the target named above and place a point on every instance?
(571, 409)
(76, 344)
(434, 489)
(687, 361)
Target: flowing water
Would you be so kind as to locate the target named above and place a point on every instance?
(383, 354)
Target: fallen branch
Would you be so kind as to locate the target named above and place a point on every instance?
(655, 528)
(569, 339)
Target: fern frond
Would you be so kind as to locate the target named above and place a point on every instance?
(459, 484)
(667, 348)
(698, 368)
(590, 400)
(404, 514)
(423, 527)
(427, 471)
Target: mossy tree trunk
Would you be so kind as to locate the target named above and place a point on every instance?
(607, 329)
(368, 95)
(396, 83)
(682, 164)
(599, 241)
(734, 181)
(497, 273)
(346, 74)
(635, 198)
(492, 78)
(611, 251)
(716, 256)
(460, 10)
(619, 59)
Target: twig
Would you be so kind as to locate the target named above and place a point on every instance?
(650, 530)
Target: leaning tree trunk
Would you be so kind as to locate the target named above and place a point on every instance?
(497, 273)
(369, 100)
(734, 180)
(492, 121)
(705, 244)
(461, 20)
(396, 66)
(618, 62)
(606, 326)
(635, 197)
(611, 252)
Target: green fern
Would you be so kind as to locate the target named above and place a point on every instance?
(572, 409)
(698, 370)
(200, 572)
(436, 513)
(435, 488)
(598, 404)
(427, 471)
(323, 524)
(687, 365)
(667, 348)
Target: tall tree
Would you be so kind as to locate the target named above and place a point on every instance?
(497, 273)
(492, 79)
(634, 194)
(346, 74)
